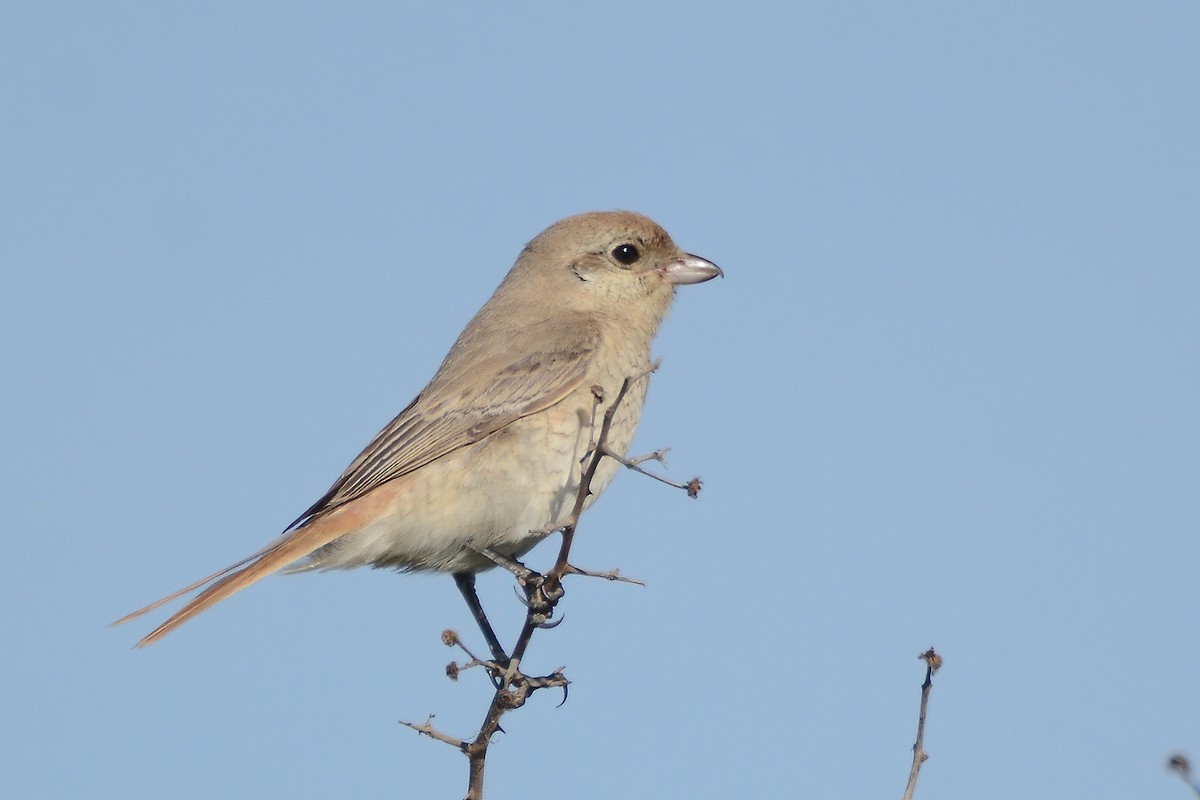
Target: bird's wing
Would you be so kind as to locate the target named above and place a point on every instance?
(535, 370)
(481, 388)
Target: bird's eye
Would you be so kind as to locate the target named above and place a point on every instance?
(626, 254)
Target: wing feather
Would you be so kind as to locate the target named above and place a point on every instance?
(469, 399)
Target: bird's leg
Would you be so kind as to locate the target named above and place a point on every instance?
(466, 584)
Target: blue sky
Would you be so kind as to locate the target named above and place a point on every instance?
(947, 393)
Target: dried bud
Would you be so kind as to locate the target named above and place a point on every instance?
(452, 670)
(693, 488)
(449, 638)
(931, 659)
(1179, 763)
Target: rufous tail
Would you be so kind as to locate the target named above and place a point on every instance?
(293, 546)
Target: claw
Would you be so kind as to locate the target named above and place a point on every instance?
(497, 679)
(531, 604)
(564, 700)
(546, 626)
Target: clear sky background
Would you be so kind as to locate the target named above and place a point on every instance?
(947, 394)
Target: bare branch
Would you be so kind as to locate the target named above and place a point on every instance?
(933, 662)
(541, 595)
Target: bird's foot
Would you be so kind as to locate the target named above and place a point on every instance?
(542, 593)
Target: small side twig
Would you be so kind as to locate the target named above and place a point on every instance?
(610, 575)
(450, 639)
(1179, 764)
(933, 662)
(427, 729)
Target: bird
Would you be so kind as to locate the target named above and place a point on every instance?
(489, 455)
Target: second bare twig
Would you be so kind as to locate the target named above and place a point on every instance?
(932, 663)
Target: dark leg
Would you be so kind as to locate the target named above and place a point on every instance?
(466, 585)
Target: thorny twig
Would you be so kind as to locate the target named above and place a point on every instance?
(542, 595)
(932, 662)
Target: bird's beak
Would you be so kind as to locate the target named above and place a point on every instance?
(690, 269)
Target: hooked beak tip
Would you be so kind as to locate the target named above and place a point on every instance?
(691, 269)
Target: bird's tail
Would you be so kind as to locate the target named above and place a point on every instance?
(224, 583)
